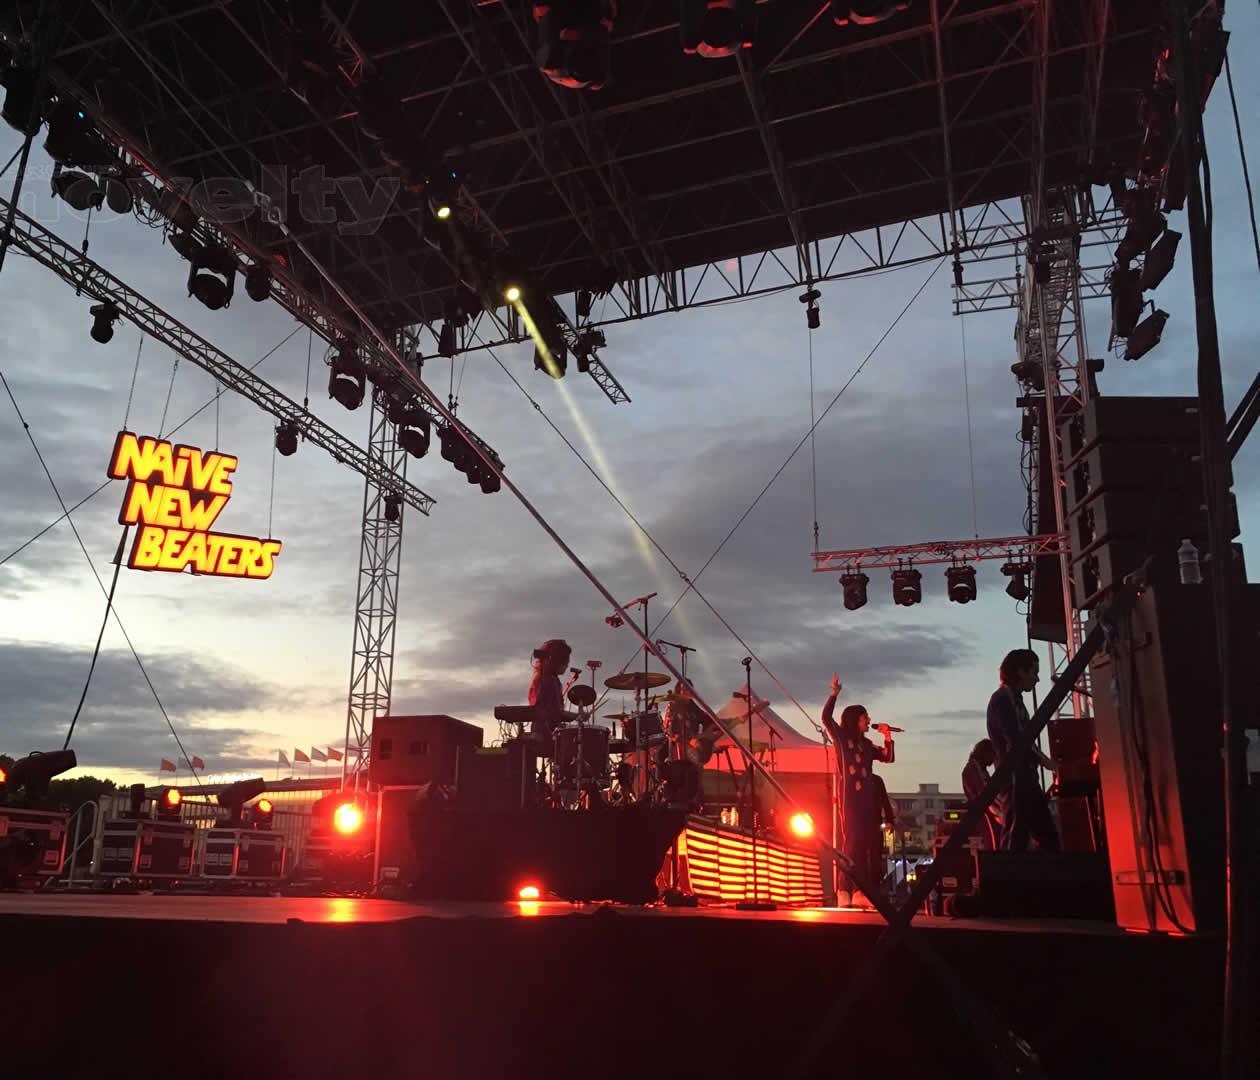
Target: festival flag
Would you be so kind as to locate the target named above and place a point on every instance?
(167, 766)
(197, 763)
(299, 756)
(334, 755)
(317, 754)
(283, 761)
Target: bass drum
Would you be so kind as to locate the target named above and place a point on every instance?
(594, 754)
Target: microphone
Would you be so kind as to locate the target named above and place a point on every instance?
(747, 661)
(889, 727)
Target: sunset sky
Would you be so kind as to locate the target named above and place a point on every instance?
(720, 397)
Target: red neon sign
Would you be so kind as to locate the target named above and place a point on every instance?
(175, 494)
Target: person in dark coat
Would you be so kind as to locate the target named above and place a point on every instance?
(860, 805)
(1021, 804)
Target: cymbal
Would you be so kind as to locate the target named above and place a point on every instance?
(671, 698)
(758, 747)
(636, 680)
(623, 716)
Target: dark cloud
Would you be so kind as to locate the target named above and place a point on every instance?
(120, 725)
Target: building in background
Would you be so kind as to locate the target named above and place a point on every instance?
(917, 815)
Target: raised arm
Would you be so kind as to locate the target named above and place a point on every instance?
(829, 707)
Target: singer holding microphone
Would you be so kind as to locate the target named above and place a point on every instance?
(860, 809)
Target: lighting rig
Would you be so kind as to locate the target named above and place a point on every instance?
(338, 850)
(960, 574)
(1159, 188)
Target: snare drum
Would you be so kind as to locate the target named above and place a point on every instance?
(594, 743)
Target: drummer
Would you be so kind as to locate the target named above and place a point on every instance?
(690, 731)
(551, 658)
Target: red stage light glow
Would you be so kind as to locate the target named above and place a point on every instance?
(528, 892)
(172, 798)
(347, 818)
(802, 824)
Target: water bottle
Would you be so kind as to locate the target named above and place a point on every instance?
(1188, 563)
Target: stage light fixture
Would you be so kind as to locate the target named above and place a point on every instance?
(168, 802)
(961, 584)
(442, 212)
(555, 360)
(118, 195)
(287, 438)
(33, 772)
(414, 428)
(813, 317)
(19, 82)
(865, 12)
(1146, 335)
(716, 28)
(72, 139)
(347, 819)
(528, 892)
(582, 303)
(1017, 587)
(233, 797)
(104, 315)
(1030, 373)
(393, 507)
(212, 275)
(573, 41)
(1144, 227)
(258, 283)
(446, 339)
(907, 586)
(1159, 262)
(802, 825)
(1126, 301)
(262, 813)
(512, 293)
(79, 190)
(347, 381)
(854, 585)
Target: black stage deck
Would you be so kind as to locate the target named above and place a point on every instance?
(270, 986)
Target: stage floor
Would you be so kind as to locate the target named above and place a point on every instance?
(346, 987)
(200, 907)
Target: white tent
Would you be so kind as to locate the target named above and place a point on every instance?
(793, 752)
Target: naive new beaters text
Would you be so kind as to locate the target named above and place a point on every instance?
(175, 493)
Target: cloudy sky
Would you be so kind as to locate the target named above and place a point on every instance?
(721, 396)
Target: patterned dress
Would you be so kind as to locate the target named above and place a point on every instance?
(859, 799)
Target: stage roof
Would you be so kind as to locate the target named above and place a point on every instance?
(818, 130)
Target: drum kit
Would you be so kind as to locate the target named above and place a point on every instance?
(588, 764)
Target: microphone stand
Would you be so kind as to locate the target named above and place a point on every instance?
(756, 903)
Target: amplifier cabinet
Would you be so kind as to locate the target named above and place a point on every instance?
(32, 844)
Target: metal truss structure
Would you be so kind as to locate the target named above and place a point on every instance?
(680, 163)
(820, 153)
(1054, 354)
(97, 283)
(376, 595)
(1011, 548)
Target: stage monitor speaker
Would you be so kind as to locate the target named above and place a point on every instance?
(1156, 695)
(415, 750)
(1035, 884)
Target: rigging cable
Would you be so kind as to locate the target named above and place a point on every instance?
(131, 392)
(110, 609)
(813, 424)
(169, 388)
(1242, 153)
(971, 447)
(182, 424)
(848, 382)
